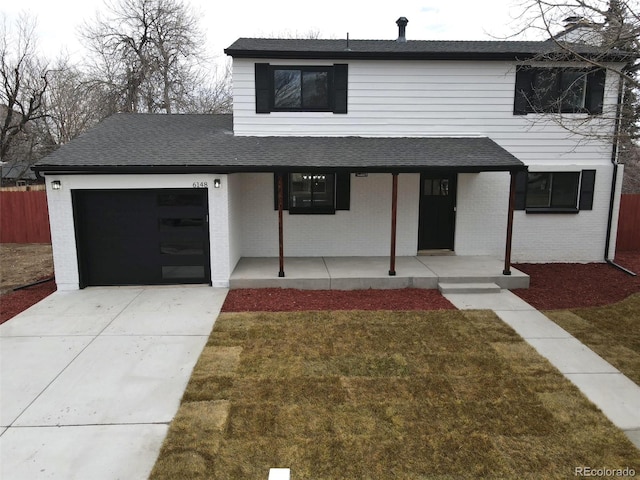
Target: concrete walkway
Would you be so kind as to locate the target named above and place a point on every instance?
(616, 395)
(91, 379)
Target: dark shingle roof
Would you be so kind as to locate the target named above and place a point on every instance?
(411, 50)
(205, 143)
(16, 170)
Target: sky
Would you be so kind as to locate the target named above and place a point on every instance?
(223, 22)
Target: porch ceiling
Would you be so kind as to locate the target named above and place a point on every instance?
(136, 143)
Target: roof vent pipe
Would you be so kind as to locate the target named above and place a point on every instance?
(402, 25)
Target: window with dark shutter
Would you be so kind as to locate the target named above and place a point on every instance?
(521, 190)
(313, 192)
(301, 89)
(595, 91)
(556, 192)
(523, 88)
(587, 185)
(558, 90)
(343, 191)
(262, 88)
(340, 84)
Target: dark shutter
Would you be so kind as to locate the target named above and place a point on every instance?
(521, 190)
(340, 82)
(343, 191)
(586, 189)
(262, 88)
(524, 77)
(285, 191)
(595, 91)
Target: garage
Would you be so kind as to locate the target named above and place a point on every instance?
(142, 237)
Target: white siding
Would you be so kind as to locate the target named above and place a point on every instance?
(441, 98)
(62, 224)
(428, 98)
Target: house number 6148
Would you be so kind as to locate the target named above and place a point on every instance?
(200, 185)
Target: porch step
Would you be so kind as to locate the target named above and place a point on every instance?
(468, 287)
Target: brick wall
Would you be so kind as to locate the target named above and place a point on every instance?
(364, 230)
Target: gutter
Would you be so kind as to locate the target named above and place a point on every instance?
(228, 169)
(614, 178)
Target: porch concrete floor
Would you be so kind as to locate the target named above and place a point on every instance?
(353, 273)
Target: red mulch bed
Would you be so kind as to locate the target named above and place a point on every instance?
(13, 303)
(570, 285)
(289, 299)
(553, 286)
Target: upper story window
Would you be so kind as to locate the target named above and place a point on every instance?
(558, 90)
(284, 88)
(303, 89)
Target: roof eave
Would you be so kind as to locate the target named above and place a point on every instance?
(353, 55)
(225, 169)
(460, 56)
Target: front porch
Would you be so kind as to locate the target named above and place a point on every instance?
(353, 273)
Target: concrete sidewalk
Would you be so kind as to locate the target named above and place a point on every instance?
(616, 395)
(91, 379)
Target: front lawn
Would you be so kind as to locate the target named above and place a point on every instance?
(355, 394)
(612, 331)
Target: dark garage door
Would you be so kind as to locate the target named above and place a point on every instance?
(142, 237)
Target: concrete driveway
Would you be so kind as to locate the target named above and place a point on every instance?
(91, 379)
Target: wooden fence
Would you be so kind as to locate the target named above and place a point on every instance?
(24, 188)
(629, 223)
(24, 217)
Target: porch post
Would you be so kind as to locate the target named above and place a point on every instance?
(394, 214)
(512, 200)
(280, 231)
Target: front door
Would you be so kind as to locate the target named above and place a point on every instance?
(437, 211)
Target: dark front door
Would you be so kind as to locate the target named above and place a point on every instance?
(142, 237)
(437, 211)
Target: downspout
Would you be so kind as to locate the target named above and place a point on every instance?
(614, 179)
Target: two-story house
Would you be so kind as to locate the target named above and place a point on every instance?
(347, 148)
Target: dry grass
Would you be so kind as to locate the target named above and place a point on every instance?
(357, 395)
(24, 263)
(612, 331)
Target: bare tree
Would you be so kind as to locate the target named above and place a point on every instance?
(147, 54)
(609, 25)
(72, 103)
(24, 84)
(597, 34)
(215, 96)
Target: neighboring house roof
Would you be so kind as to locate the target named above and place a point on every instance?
(17, 170)
(205, 143)
(410, 50)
